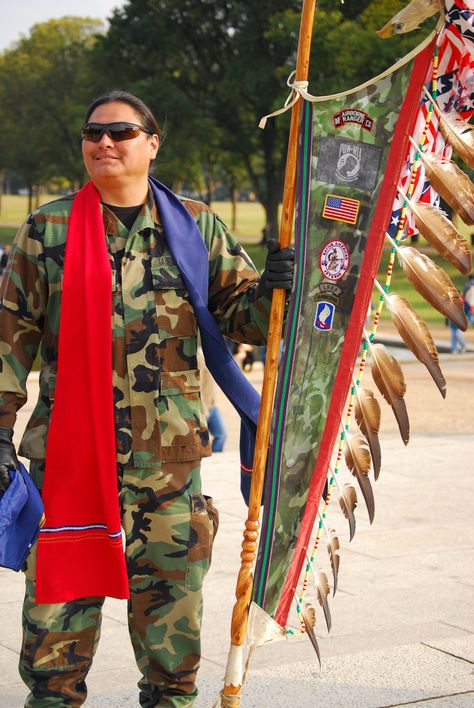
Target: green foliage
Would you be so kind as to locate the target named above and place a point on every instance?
(346, 50)
(44, 86)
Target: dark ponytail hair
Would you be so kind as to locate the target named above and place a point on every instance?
(148, 119)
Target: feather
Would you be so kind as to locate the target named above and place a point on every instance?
(416, 335)
(441, 233)
(308, 614)
(388, 377)
(334, 557)
(409, 18)
(348, 502)
(357, 456)
(322, 586)
(433, 284)
(460, 135)
(367, 415)
(452, 184)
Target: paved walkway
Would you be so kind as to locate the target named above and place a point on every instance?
(403, 620)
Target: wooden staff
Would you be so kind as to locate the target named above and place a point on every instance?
(233, 678)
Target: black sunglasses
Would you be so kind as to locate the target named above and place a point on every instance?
(116, 131)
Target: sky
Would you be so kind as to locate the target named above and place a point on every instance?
(18, 16)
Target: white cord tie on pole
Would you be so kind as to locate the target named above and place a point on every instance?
(298, 90)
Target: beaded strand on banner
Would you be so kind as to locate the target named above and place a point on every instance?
(332, 479)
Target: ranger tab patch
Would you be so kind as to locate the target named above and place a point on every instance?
(353, 115)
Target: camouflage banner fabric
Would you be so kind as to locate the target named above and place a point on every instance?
(351, 150)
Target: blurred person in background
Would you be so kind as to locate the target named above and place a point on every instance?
(214, 418)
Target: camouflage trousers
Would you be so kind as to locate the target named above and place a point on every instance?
(169, 527)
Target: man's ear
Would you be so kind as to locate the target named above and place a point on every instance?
(154, 145)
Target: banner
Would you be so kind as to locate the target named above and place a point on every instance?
(352, 151)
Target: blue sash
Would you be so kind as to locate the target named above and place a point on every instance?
(190, 253)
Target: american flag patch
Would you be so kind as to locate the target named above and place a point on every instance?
(341, 208)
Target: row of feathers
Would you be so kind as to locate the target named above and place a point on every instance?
(362, 450)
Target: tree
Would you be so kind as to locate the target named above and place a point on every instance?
(45, 83)
(214, 67)
(347, 52)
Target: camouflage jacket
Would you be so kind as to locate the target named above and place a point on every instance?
(158, 410)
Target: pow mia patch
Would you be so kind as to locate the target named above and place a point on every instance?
(348, 163)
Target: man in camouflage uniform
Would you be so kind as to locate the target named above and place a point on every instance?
(161, 432)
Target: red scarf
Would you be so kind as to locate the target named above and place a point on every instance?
(80, 551)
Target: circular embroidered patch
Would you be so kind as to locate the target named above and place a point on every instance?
(334, 260)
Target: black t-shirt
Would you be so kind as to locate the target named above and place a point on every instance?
(126, 215)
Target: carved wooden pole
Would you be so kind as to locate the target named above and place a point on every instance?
(233, 678)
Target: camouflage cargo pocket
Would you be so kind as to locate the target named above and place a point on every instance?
(203, 528)
(173, 542)
(182, 420)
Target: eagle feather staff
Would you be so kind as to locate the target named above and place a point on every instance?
(353, 152)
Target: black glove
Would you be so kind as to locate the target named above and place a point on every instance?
(279, 267)
(8, 458)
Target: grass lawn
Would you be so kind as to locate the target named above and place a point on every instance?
(7, 234)
(15, 207)
(250, 216)
(250, 219)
